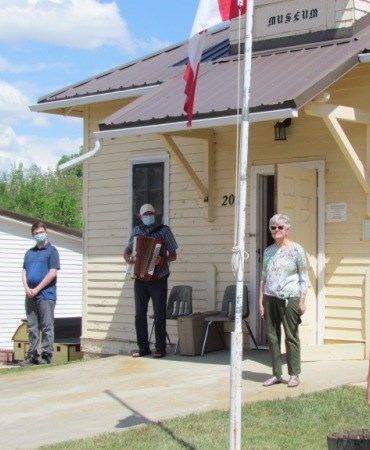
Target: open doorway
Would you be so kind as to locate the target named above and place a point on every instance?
(295, 189)
(265, 206)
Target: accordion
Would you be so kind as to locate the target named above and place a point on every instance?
(144, 250)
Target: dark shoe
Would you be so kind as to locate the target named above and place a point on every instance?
(29, 362)
(141, 352)
(158, 354)
(45, 360)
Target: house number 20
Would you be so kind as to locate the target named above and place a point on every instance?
(228, 200)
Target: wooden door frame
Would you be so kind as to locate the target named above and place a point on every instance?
(254, 276)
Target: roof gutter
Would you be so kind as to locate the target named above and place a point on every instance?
(364, 57)
(197, 124)
(89, 99)
(80, 159)
(178, 126)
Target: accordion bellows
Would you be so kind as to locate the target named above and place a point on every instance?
(145, 249)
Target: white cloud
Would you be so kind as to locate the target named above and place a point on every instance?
(153, 44)
(8, 66)
(31, 149)
(78, 24)
(82, 24)
(13, 104)
(14, 107)
(24, 148)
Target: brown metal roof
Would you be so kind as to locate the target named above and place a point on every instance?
(148, 71)
(283, 78)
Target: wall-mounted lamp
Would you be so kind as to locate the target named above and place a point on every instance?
(280, 129)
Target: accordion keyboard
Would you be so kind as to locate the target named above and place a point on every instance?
(156, 251)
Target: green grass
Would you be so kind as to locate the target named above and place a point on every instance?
(293, 423)
(18, 369)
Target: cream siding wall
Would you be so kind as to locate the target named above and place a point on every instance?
(332, 14)
(347, 255)
(348, 11)
(15, 240)
(203, 245)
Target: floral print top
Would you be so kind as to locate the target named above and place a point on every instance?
(284, 271)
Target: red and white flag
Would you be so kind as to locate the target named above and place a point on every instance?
(209, 14)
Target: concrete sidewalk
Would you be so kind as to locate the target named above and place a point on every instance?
(60, 403)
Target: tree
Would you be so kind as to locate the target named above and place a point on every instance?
(76, 170)
(53, 196)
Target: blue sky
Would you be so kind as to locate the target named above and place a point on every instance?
(49, 44)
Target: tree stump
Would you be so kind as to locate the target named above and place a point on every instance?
(346, 440)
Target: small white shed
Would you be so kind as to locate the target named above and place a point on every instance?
(15, 240)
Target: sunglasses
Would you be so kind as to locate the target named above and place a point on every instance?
(279, 227)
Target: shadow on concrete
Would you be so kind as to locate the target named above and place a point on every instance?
(137, 419)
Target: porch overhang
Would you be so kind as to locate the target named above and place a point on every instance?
(215, 122)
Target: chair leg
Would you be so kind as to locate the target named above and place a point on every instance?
(205, 339)
(251, 334)
(168, 339)
(177, 346)
(151, 333)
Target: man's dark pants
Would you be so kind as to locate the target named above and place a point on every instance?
(157, 291)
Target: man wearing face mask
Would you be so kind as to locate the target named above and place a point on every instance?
(39, 278)
(155, 289)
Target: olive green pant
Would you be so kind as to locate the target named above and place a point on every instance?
(279, 313)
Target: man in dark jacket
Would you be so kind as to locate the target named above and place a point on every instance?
(155, 289)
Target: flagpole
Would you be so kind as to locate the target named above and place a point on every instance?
(237, 334)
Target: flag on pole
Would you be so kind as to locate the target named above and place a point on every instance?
(209, 13)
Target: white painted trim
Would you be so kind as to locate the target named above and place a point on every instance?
(197, 124)
(364, 57)
(149, 159)
(253, 291)
(90, 99)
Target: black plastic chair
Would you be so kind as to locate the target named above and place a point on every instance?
(227, 314)
(179, 304)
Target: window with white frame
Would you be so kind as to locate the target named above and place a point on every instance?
(148, 184)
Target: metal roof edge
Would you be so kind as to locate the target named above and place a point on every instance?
(25, 219)
(261, 116)
(95, 98)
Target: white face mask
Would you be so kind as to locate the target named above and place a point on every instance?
(148, 220)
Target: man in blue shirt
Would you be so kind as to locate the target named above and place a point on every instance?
(155, 289)
(39, 278)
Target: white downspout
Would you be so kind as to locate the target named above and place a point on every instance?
(79, 159)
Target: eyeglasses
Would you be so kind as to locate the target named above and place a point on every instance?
(279, 227)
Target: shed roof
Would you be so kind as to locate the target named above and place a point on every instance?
(12, 215)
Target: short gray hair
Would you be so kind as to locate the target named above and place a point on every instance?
(280, 218)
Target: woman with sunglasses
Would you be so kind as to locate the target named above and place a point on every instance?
(283, 290)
